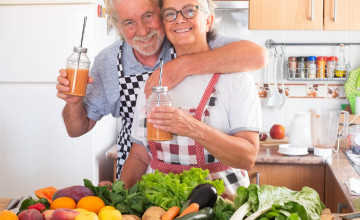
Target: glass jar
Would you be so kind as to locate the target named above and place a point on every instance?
(77, 68)
(354, 133)
(292, 66)
(321, 62)
(330, 67)
(301, 67)
(341, 66)
(159, 97)
(311, 67)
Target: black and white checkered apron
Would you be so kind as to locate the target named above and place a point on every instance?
(129, 88)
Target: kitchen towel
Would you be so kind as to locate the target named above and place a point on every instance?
(352, 85)
(354, 186)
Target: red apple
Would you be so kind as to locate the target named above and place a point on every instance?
(263, 137)
(277, 131)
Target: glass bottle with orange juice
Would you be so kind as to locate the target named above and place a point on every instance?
(159, 97)
(77, 68)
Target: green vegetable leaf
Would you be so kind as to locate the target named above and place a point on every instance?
(223, 209)
(29, 202)
(280, 202)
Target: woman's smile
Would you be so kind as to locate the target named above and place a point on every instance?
(182, 30)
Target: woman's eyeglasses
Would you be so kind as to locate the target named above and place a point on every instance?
(187, 12)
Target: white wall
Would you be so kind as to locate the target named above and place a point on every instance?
(234, 23)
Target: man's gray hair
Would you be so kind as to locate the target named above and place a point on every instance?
(111, 12)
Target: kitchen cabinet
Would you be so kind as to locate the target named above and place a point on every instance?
(304, 15)
(335, 199)
(341, 15)
(292, 176)
(285, 14)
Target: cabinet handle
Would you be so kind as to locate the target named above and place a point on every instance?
(341, 206)
(335, 9)
(312, 10)
(257, 178)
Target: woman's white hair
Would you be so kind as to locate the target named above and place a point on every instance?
(209, 6)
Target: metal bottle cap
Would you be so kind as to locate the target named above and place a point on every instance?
(158, 89)
(80, 49)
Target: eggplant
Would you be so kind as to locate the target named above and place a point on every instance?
(205, 195)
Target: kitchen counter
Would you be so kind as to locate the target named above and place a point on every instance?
(3, 203)
(268, 154)
(339, 166)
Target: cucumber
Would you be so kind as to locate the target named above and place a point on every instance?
(206, 213)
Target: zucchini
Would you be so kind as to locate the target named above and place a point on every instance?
(206, 213)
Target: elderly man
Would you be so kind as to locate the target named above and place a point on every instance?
(120, 70)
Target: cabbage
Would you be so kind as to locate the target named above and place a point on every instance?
(272, 202)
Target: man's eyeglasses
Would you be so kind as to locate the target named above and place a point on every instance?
(187, 12)
(147, 18)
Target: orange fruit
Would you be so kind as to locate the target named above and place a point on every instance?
(91, 203)
(63, 202)
(8, 215)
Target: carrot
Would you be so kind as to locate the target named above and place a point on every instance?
(171, 213)
(193, 207)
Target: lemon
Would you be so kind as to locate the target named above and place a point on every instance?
(106, 208)
(110, 214)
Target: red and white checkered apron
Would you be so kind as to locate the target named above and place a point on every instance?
(194, 148)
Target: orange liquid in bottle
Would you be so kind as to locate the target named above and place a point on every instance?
(78, 81)
(154, 134)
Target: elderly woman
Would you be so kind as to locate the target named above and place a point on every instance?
(215, 119)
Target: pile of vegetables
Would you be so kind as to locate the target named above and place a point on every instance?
(272, 202)
(155, 189)
(189, 196)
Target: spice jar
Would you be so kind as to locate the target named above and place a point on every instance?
(321, 62)
(159, 97)
(311, 67)
(301, 67)
(292, 66)
(330, 67)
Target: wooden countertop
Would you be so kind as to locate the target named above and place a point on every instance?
(3, 203)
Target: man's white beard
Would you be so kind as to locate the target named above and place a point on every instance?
(152, 48)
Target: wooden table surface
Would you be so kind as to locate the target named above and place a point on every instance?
(3, 203)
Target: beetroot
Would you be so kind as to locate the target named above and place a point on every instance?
(74, 192)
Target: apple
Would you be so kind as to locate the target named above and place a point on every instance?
(277, 131)
(263, 137)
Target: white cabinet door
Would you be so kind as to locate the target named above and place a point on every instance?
(35, 40)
